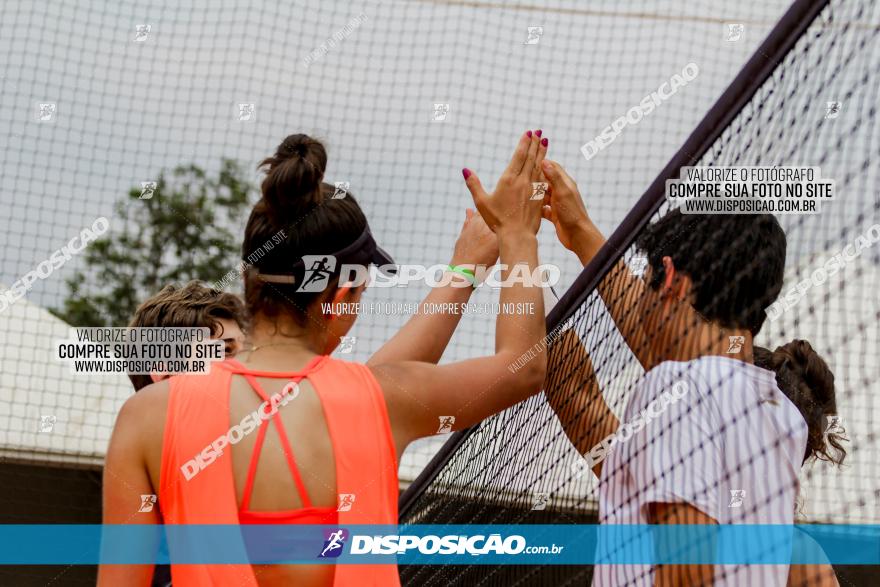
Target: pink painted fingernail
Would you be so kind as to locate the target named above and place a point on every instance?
(545, 142)
(538, 132)
(466, 173)
(529, 133)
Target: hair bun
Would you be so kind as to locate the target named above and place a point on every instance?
(294, 175)
(804, 363)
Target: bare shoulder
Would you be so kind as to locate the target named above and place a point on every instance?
(144, 412)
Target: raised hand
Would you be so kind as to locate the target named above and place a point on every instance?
(510, 206)
(477, 244)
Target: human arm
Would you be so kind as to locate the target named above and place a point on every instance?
(418, 393)
(576, 398)
(425, 336)
(619, 289)
(681, 575)
(126, 479)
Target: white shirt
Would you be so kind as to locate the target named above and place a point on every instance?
(732, 430)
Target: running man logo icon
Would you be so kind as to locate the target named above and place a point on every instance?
(47, 423)
(141, 32)
(346, 501)
(735, 32)
(539, 500)
(46, 111)
(341, 190)
(147, 502)
(637, 265)
(535, 34)
(246, 112)
(736, 344)
(147, 189)
(319, 268)
(446, 423)
(440, 112)
(539, 189)
(333, 543)
(833, 425)
(833, 110)
(736, 498)
(346, 344)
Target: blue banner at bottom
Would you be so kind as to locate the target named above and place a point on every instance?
(439, 544)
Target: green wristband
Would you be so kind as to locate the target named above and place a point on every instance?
(464, 272)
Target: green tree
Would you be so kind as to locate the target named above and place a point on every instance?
(189, 229)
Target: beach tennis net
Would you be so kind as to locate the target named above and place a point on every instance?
(807, 99)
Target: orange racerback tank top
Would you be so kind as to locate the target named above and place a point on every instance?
(360, 432)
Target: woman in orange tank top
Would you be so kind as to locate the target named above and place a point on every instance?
(285, 434)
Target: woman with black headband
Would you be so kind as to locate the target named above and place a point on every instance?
(286, 434)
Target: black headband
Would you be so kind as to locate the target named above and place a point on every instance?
(363, 251)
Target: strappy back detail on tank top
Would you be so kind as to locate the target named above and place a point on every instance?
(307, 514)
(197, 483)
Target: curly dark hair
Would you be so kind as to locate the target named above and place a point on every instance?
(804, 377)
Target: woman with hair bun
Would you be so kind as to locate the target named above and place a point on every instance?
(325, 444)
(804, 377)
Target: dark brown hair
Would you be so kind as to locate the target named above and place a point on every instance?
(297, 203)
(191, 306)
(807, 381)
